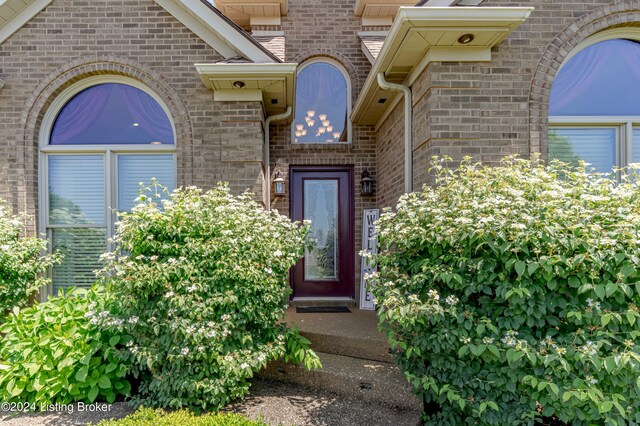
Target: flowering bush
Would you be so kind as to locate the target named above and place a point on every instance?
(201, 284)
(512, 294)
(55, 353)
(22, 263)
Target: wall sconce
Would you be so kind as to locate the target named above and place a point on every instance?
(367, 184)
(278, 183)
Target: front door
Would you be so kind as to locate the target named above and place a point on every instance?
(324, 196)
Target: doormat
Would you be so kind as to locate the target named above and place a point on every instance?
(322, 309)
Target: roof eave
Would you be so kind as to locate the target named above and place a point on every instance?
(271, 80)
(411, 32)
(217, 30)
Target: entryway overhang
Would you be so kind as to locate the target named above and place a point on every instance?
(272, 84)
(421, 35)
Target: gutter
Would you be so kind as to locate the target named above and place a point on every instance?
(267, 166)
(408, 130)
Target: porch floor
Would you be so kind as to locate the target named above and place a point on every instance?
(352, 334)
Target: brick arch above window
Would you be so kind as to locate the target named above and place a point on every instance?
(577, 34)
(333, 55)
(52, 85)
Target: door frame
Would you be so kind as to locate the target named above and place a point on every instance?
(350, 272)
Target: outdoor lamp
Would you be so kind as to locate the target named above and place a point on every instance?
(367, 183)
(278, 183)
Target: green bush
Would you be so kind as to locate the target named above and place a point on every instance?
(201, 285)
(54, 352)
(512, 294)
(22, 262)
(150, 417)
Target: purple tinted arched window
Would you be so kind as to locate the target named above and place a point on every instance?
(321, 105)
(603, 79)
(112, 114)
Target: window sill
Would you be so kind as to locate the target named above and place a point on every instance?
(346, 146)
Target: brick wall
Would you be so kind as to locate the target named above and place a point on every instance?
(327, 28)
(70, 40)
(490, 110)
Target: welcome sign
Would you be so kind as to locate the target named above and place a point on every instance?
(369, 245)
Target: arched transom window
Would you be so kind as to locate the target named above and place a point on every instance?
(99, 140)
(323, 103)
(594, 108)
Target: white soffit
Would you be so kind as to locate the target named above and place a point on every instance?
(270, 81)
(14, 14)
(262, 12)
(380, 8)
(215, 30)
(420, 35)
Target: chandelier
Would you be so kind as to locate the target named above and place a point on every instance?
(321, 126)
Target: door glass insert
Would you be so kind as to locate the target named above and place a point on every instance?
(321, 208)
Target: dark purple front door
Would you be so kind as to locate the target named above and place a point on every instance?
(324, 195)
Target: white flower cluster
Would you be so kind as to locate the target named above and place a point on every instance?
(434, 295)
(451, 300)
(510, 338)
(595, 305)
(590, 348)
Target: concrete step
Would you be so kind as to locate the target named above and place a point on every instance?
(352, 334)
(372, 381)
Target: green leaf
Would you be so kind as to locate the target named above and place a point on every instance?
(610, 364)
(611, 289)
(494, 350)
(631, 317)
(554, 388)
(605, 407)
(627, 270)
(600, 291)
(17, 390)
(114, 340)
(81, 375)
(520, 267)
(93, 393)
(104, 382)
(605, 319)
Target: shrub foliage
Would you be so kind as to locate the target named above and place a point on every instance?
(200, 283)
(512, 294)
(54, 352)
(150, 417)
(22, 262)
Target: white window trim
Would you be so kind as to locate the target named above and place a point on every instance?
(326, 60)
(110, 153)
(624, 126)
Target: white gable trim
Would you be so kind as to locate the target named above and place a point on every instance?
(18, 20)
(214, 30)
